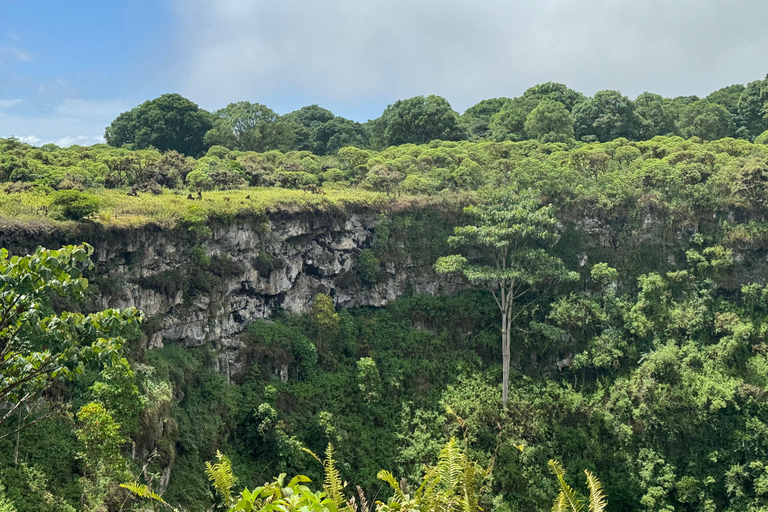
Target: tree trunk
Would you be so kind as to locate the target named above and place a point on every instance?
(505, 358)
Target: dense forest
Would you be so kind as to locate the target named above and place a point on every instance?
(549, 112)
(631, 338)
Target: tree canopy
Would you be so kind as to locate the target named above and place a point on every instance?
(170, 122)
(39, 346)
(417, 120)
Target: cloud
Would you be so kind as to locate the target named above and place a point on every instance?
(87, 118)
(348, 51)
(6, 104)
(15, 53)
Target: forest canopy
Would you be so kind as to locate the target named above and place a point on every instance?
(549, 112)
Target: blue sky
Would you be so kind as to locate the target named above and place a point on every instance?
(68, 68)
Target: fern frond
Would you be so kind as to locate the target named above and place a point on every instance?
(143, 491)
(221, 476)
(568, 498)
(390, 479)
(597, 498)
(313, 454)
(450, 465)
(332, 485)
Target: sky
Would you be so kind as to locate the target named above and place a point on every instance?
(67, 69)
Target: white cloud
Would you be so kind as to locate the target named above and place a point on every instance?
(348, 51)
(15, 53)
(80, 140)
(86, 118)
(31, 140)
(6, 104)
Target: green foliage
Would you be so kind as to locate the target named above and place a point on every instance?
(105, 467)
(245, 126)
(508, 227)
(39, 347)
(170, 122)
(569, 501)
(369, 266)
(455, 483)
(75, 205)
(5, 504)
(550, 121)
(416, 120)
(222, 478)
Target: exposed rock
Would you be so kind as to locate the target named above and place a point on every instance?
(305, 254)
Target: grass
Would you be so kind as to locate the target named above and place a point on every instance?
(171, 209)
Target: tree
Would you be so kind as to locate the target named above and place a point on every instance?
(552, 91)
(309, 117)
(324, 317)
(728, 97)
(507, 244)
(655, 115)
(753, 108)
(509, 122)
(328, 138)
(550, 121)
(708, 121)
(170, 122)
(304, 121)
(477, 118)
(382, 178)
(246, 126)
(39, 346)
(607, 115)
(417, 120)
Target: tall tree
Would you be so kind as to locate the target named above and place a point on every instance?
(708, 121)
(417, 120)
(477, 118)
(170, 122)
(509, 122)
(246, 126)
(606, 116)
(550, 121)
(656, 116)
(552, 91)
(508, 247)
(329, 137)
(753, 109)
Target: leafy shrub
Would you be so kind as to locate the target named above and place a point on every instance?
(368, 266)
(75, 205)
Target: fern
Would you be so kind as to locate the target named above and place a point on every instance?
(221, 476)
(597, 498)
(143, 491)
(453, 484)
(332, 484)
(567, 500)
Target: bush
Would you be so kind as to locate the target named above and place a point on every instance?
(369, 266)
(75, 205)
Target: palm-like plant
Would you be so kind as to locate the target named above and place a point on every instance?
(454, 484)
(569, 501)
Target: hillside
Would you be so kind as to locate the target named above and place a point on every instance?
(650, 370)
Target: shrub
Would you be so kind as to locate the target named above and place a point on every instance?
(369, 266)
(75, 205)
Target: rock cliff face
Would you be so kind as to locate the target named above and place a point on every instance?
(199, 289)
